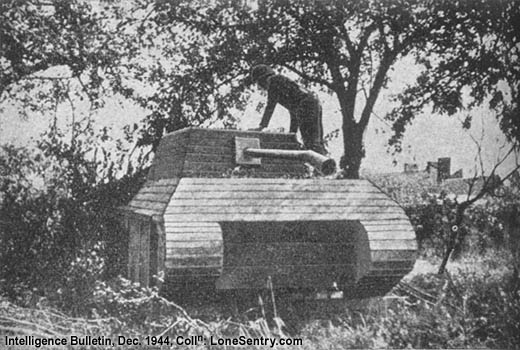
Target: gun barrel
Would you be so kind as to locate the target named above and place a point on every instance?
(324, 164)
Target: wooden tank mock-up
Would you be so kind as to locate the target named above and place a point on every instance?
(211, 211)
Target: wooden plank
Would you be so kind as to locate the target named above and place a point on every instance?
(226, 202)
(391, 235)
(188, 184)
(133, 250)
(154, 241)
(144, 253)
(157, 190)
(181, 229)
(195, 271)
(288, 208)
(228, 157)
(395, 264)
(288, 253)
(195, 217)
(255, 181)
(162, 197)
(193, 244)
(193, 252)
(193, 236)
(393, 255)
(278, 194)
(387, 226)
(214, 224)
(393, 244)
(257, 173)
(202, 135)
(224, 167)
(145, 212)
(198, 224)
(161, 250)
(162, 183)
(279, 211)
(198, 261)
(155, 206)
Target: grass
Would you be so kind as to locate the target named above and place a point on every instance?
(475, 306)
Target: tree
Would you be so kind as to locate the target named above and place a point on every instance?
(47, 44)
(483, 184)
(471, 62)
(347, 48)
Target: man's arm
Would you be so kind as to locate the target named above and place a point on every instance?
(269, 109)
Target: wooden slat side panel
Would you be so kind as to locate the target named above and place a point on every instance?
(144, 252)
(133, 249)
(161, 250)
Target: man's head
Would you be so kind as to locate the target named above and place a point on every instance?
(260, 73)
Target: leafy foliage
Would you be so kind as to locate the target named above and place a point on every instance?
(471, 60)
(345, 48)
(47, 46)
(56, 229)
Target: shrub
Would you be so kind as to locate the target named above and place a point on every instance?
(57, 227)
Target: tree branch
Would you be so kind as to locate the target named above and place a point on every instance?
(379, 81)
(310, 78)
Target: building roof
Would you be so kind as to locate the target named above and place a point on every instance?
(417, 187)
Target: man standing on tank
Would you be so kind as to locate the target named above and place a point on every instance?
(303, 106)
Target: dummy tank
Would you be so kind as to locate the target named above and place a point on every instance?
(236, 209)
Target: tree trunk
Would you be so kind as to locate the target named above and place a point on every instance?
(445, 258)
(354, 150)
(454, 236)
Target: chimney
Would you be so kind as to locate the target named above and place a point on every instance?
(443, 168)
(457, 175)
(411, 167)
